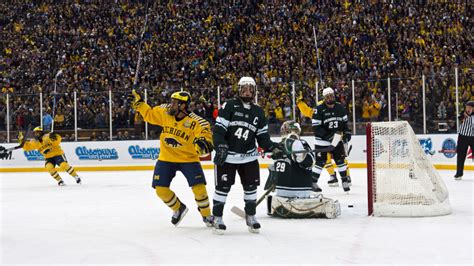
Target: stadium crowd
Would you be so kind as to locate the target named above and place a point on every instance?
(200, 45)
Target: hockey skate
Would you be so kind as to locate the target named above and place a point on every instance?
(252, 223)
(208, 220)
(218, 225)
(179, 214)
(78, 179)
(316, 188)
(458, 177)
(61, 183)
(333, 182)
(349, 180)
(345, 184)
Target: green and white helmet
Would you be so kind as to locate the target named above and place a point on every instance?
(290, 128)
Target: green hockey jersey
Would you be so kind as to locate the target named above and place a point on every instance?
(327, 121)
(239, 125)
(293, 179)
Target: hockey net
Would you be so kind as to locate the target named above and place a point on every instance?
(401, 179)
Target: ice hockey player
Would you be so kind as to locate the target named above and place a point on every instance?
(291, 178)
(329, 121)
(184, 138)
(239, 123)
(48, 144)
(329, 166)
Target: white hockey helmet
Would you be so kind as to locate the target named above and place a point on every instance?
(247, 82)
(327, 91)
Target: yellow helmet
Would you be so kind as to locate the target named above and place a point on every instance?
(183, 96)
(38, 129)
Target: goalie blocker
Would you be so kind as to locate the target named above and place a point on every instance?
(291, 177)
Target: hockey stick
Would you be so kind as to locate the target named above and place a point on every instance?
(317, 56)
(135, 82)
(327, 149)
(239, 212)
(54, 99)
(5, 150)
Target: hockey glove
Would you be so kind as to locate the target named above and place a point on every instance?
(277, 152)
(203, 147)
(135, 99)
(300, 97)
(346, 137)
(221, 154)
(20, 137)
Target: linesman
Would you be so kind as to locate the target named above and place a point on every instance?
(465, 138)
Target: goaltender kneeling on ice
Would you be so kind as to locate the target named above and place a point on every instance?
(290, 179)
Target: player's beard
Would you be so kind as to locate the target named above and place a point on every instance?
(330, 102)
(172, 112)
(246, 99)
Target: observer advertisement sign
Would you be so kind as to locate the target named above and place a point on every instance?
(440, 149)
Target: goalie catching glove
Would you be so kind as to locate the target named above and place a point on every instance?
(202, 146)
(135, 99)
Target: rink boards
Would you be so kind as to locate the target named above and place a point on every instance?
(142, 155)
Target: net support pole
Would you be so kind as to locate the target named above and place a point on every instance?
(110, 114)
(424, 103)
(146, 123)
(293, 93)
(370, 170)
(457, 97)
(218, 97)
(316, 88)
(8, 117)
(396, 106)
(75, 115)
(354, 128)
(256, 94)
(41, 109)
(389, 99)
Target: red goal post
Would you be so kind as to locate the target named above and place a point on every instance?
(401, 180)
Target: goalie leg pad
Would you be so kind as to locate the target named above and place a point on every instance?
(318, 207)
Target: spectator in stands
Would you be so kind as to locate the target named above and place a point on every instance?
(96, 46)
(47, 121)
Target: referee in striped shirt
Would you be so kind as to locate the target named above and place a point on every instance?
(465, 138)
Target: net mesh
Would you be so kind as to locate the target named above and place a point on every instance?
(404, 182)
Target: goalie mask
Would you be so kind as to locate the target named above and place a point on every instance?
(247, 88)
(178, 99)
(290, 128)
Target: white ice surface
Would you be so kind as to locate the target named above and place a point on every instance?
(116, 218)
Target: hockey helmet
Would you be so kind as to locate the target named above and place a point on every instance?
(250, 83)
(38, 129)
(38, 132)
(182, 96)
(327, 91)
(290, 127)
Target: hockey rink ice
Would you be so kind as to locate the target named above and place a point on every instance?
(116, 218)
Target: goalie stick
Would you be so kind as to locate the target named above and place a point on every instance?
(239, 212)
